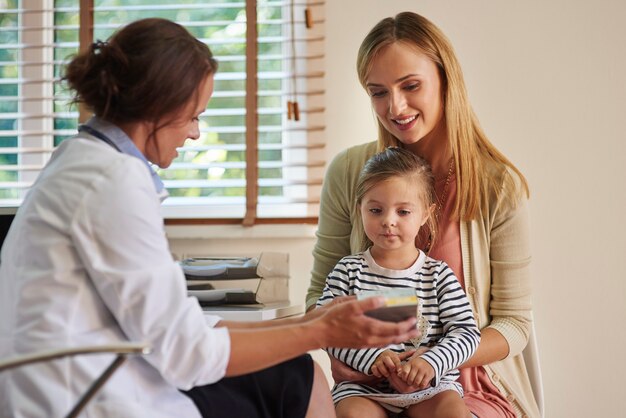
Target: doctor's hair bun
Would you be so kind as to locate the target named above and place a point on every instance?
(146, 71)
(93, 75)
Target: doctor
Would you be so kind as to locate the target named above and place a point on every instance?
(86, 262)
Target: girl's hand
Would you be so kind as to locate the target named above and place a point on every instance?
(400, 385)
(388, 362)
(416, 372)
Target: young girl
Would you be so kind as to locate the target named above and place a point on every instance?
(395, 198)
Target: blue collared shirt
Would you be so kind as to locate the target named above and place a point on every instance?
(117, 138)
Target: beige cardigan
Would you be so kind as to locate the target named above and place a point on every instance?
(496, 258)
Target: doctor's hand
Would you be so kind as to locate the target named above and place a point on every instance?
(345, 325)
(315, 311)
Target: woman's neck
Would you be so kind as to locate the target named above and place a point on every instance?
(434, 148)
(138, 133)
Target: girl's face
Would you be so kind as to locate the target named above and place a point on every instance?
(392, 214)
(405, 90)
(161, 150)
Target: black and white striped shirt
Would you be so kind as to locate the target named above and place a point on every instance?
(454, 335)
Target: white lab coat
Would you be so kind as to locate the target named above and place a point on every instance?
(87, 262)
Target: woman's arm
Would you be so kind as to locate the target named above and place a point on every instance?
(506, 263)
(509, 253)
(493, 347)
(334, 227)
(312, 314)
(339, 325)
(258, 324)
(344, 373)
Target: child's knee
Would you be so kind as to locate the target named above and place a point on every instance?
(349, 414)
(447, 404)
(453, 410)
(345, 411)
(357, 407)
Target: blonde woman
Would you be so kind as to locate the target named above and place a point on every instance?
(414, 80)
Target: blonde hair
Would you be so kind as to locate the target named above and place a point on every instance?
(395, 162)
(473, 153)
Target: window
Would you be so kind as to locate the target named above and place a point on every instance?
(251, 163)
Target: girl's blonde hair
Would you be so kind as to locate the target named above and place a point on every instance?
(473, 153)
(395, 162)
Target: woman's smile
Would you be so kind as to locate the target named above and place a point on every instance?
(404, 124)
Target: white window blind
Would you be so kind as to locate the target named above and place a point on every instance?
(252, 162)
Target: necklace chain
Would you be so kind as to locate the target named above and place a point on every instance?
(441, 202)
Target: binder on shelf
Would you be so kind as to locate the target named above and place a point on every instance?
(238, 280)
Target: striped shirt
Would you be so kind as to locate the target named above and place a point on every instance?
(453, 337)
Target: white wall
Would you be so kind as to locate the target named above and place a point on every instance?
(546, 79)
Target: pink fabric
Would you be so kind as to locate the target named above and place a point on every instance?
(482, 397)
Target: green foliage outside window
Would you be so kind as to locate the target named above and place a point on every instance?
(8, 71)
(66, 39)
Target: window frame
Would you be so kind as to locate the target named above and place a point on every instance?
(42, 129)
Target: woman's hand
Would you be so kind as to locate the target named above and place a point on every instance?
(345, 325)
(344, 373)
(315, 311)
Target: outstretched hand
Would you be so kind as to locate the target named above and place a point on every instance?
(345, 325)
(316, 311)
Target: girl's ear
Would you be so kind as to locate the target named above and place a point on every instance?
(431, 209)
(428, 213)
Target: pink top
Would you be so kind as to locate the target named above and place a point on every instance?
(482, 397)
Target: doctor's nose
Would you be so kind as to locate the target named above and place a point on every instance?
(194, 133)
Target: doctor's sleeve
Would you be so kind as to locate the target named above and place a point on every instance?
(119, 235)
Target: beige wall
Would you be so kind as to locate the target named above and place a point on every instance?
(546, 79)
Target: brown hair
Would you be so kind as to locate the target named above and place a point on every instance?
(147, 70)
(399, 162)
(473, 153)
